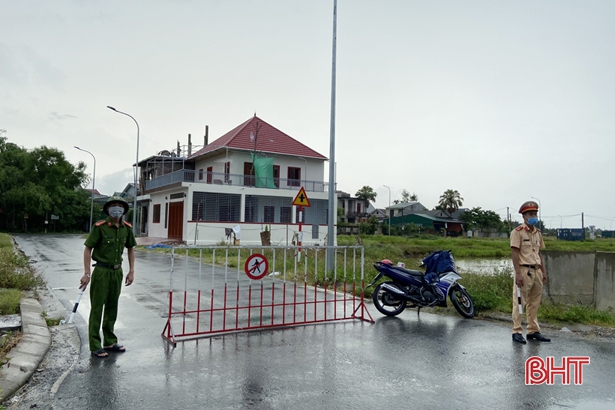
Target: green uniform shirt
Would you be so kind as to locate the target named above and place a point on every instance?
(108, 241)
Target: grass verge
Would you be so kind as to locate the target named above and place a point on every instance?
(16, 275)
(491, 293)
(9, 301)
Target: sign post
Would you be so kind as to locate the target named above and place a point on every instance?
(300, 200)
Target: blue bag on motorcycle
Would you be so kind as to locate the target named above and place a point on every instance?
(439, 262)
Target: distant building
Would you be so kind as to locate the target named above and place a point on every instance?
(356, 210)
(415, 213)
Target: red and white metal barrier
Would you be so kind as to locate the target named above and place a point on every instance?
(228, 289)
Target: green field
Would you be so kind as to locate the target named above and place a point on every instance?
(491, 293)
(411, 250)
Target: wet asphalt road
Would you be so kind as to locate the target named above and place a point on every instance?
(429, 362)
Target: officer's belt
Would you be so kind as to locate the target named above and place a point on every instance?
(104, 265)
(531, 266)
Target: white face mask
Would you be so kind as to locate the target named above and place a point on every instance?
(116, 211)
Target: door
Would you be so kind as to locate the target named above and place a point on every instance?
(176, 220)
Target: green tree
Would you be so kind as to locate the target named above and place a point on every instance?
(37, 183)
(407, 197)
(477, 218)
(366, 193)
(450, 201)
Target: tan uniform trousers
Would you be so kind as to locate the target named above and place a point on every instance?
(531, 294)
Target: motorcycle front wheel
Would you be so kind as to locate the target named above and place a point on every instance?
(462, 302)
(387, 303)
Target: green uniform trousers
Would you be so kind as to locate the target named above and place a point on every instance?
(105, 288)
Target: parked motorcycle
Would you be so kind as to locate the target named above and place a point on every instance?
(412, 288)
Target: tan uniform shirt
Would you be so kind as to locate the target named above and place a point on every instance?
(529, 244)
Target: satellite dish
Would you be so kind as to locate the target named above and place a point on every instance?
(251, 136)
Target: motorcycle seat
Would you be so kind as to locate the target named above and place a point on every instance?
(408, 271)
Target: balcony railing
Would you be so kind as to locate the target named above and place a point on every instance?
(220, 178)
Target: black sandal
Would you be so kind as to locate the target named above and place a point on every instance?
(115, 348)
(100, 353)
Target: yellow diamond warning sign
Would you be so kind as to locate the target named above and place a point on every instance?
(301, 199)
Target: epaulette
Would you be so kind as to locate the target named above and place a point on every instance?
(127, 224)
(99, 223)
(519, 228)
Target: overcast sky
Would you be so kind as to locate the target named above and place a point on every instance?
(500, 100)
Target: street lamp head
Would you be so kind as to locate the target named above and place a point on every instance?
(111, 108)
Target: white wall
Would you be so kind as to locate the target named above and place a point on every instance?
(211, 233)
(311, 169)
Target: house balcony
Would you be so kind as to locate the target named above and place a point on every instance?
(220, 178)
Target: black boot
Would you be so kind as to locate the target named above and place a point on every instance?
(518, 337)
(537, 336)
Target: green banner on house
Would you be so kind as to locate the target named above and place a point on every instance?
(263, 172)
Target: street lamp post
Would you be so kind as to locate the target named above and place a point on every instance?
(389, 209)
(539, 212)
(134, 207)
(93, 185)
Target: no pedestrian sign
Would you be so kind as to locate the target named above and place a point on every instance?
(256, 266)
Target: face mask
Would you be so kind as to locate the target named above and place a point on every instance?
(116, 212)
(532, 221)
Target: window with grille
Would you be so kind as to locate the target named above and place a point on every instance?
(218, 207)
(285, 214)
(251, 209)
(269, 214)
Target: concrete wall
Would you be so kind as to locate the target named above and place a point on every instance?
(586, 278)
(605, 280)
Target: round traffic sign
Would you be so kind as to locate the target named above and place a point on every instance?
(256, 266)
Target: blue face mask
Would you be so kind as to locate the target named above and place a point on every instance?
(532, 221)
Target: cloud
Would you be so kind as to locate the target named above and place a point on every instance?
(60, 117)
(115, 182)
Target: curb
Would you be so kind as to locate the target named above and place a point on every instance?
(29, 352)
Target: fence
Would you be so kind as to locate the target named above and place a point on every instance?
(234, 289)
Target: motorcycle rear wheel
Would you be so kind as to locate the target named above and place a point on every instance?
(463, 302)
(387, 303)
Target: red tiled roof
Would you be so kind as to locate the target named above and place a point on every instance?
(269, 140)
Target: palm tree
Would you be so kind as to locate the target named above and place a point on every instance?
(366, 193)
(450, 201)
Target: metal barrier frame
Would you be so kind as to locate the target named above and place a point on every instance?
(330, 291)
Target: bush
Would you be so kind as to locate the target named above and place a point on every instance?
(16, 273)
(489, 292)
(9, 301)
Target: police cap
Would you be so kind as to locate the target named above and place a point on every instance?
(528, 206)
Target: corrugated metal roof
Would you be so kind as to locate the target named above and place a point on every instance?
(269, 140)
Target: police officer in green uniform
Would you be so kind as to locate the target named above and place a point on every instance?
(530, 273)
(105, 246)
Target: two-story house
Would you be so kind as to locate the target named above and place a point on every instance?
(355, 210)
(245, 180)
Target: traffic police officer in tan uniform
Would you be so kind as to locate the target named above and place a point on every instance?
(105, 245)
(530, 274)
